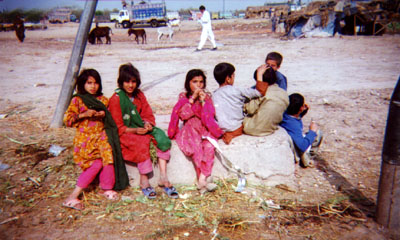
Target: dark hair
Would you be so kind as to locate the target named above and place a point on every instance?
(127, 72)
(82, 79)
(296, 101)
(202, 7)
(276, 57)
(189, 76)
(223, 70)
(269, 76)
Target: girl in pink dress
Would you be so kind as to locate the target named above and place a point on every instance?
(195, 108)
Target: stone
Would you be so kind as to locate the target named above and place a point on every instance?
(266, 160)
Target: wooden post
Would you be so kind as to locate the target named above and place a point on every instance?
(355, 26)
(75, 62)
(388, 206)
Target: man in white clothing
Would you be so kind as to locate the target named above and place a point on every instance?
(207, 32)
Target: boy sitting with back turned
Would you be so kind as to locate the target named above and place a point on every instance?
(293, 124)
(265, 113)
(229, 100)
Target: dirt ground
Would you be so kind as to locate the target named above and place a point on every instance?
(347, 82)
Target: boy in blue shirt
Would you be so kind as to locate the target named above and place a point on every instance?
(293, 124)
(274, 60)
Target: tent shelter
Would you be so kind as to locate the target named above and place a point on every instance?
(355, 17)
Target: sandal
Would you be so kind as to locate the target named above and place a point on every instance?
(171, 192)
(149, 192)
(74, 204)
(109, 194)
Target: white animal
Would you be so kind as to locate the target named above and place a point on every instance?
(167, 31)
(176, 23)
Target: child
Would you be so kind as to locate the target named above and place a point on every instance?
(264, 114)
(294, 126)
(92, 151)
(195, 108)
(229, 100)
(138, 134)
(274, 60)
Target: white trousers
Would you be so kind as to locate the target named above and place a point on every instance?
(206, 33)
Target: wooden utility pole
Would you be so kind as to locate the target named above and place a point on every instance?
(388, 206)
(75, 62)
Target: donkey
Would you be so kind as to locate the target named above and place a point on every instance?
(140, 32)
(97, 33)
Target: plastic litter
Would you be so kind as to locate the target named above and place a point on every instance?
(4, 166)
(55, 150)
(234, 168)
(269, 203)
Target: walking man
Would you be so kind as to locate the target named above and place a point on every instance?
(207, 32)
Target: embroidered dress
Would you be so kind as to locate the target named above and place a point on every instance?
(198, 121)
(90, 142)
(135, 147)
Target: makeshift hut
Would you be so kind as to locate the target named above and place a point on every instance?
(263, 11)
(324, 18)
(369, 18)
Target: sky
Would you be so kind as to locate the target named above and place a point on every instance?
(172, 5)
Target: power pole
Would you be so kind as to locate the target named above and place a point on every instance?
(388, 206)
(223, 8)
(74, 64)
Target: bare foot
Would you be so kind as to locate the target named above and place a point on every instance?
(202, 182)
(73, 203)
(164, 182)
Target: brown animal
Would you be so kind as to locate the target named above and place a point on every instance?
(140, 32)
(19, 29)
(97, 33)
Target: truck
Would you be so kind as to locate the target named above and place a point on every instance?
(143, 13)
(215, 15)
(60, 15)
(114, 16)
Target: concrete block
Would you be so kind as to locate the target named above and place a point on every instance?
(265, 160)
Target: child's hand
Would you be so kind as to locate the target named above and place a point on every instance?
(88, 113)
(100, 114)
(260, 71)
(202, 96)
(141, 131)
(148, 126)
(313, 126)
(196, 93)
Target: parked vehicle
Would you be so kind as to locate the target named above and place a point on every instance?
(60, 15)
(215, 15)
(143, 13)
(73, 18)
(173, 15)
(226, 15)
(114, 16)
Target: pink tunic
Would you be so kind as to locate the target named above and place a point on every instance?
(198, 122)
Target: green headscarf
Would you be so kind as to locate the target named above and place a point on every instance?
(121, 176)
(132, 119)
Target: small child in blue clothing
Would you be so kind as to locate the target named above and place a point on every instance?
(293, 124)
(274, 60)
